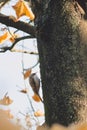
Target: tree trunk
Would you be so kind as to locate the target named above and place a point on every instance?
(63, 62)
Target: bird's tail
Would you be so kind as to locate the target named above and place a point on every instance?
(40, 97)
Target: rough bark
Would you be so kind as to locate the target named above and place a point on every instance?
(63, 61)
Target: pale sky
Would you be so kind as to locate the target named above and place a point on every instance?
(11, 77)
(11, 80)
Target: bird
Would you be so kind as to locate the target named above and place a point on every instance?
(34, 82)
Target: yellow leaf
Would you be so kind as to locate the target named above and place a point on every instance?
(6, 100)
(27, 73)
(24, 90)
(13, 37)
(36, 98)
(22, 9)
(4, 37)
(38, 113)
(8, 36)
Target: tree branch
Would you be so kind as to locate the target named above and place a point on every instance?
(19, 25)
(4, 49)
(24, 51)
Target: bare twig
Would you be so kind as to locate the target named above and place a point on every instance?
(32, 66)
(4, 49)
(25, 83)
(24, 51)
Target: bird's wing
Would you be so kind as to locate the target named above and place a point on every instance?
(35, 83)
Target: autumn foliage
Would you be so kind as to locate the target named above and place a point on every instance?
(7, 36)
(22, 9)
(27, 73)
(6, 100)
